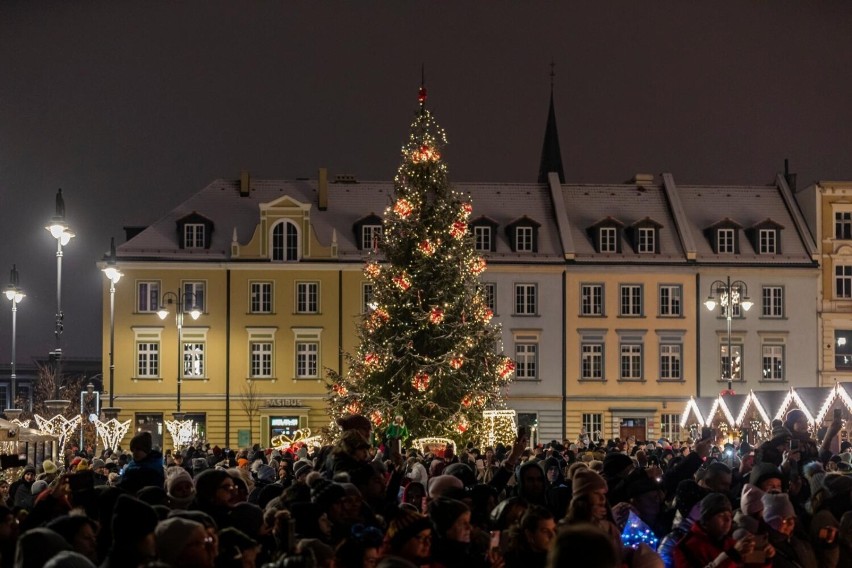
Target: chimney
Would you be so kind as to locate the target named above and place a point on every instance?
(322, 188)
(245, 180)
(640, 179)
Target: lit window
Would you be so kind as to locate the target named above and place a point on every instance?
(193, 359)
(773, 362)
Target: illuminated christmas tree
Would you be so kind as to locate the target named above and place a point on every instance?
(427, 344)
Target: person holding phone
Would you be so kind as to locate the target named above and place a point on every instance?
(791, 550)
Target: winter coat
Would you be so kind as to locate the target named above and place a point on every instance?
(147, 472)
(792, 552)
(697, 549)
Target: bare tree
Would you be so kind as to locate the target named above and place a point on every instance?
(250, 401)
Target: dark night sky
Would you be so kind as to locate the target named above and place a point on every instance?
(133, 107)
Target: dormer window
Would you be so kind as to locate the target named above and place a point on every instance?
(368, 232)
(194, 231)
(523, 235)
(766, 237)
(645, 236)
(193, 236)
(724, 236)
(725, 241)
(371, 236)
(285, 241)
(608, 239)
(606, 235)
(484, 231)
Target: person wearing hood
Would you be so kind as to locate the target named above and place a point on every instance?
(790, 550)
(21, 490)
(179, 488)
(451, 535)
(709, 543)
(214, 495)
(557, 492)
(146, 467)
(264, 477)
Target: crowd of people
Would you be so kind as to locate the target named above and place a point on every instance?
(358, 504)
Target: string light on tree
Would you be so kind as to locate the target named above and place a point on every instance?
(436, 316)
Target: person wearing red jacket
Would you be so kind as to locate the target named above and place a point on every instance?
(709, 544)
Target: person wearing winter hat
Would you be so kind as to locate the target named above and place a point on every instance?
(184, 543)
(214, 494)
(708, 541)
(78, 531)
(179, 488)
(355, 422)
(132, 526)
(445, 486)
(328, 497)
(146, 467)
(301, 469)
(236, 549)
(790, 550)
(589, 504)
(37, 546)
(766, 477)
(409, 536)
(749, 517)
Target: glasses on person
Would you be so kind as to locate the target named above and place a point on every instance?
(206, 542)
(228, 487)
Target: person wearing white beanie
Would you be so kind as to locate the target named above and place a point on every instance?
(184, 543)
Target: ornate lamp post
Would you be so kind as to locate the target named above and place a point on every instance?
(114, 275)
(14, 295)
(178, 301)
(729, 294)
(63, 235)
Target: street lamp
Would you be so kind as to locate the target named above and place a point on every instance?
(14, 295)
(179, 301)
(730, 294)
(60, 231)
(114, 275)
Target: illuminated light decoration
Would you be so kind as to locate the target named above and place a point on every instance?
(376, 417)
(636, 532)
(458, 230)
(425, 153)
(181, 432)
(403, 208)
(420, 381)
(283, 441)
(691, 407)
(487, 315)
(725, 410)
(58, 426)
(372, 269)
(353, 408)
(478, 266)
(500, 427)
(750, 399)
(467, 209)
(426, 247)
(21, 423)
(467, 401)
(340, 389)
(762, 411)
(505, 367)
(791, 397)
(436, 316)
(402, 282)
(456, 363)
(433, 445)
(112, 432)
(463, 425)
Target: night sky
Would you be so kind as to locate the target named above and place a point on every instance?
(132, 107)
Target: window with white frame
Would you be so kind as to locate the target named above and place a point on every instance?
(193, 359)
(147, 359)
(631, 299)
(591, 361)
(490, 291)
(592, 424)
(725, 241)
(261, 341)
(307, 297)
(526, 297)
(524, 239)
(526, 354)
(366, 297)
(260, 366)
(843, 281)
(631, 362)
(647, 240)
(147, 296)
(768, 241)
(607, 236)
(482, 238)
(736, 364)
(773, 301)
(773, 362)
(285, 241)
(260, 297)
(194, 296)
(671, 303)
(671, 363)
(670, 426)
(371, 236)
(843, 225)
(591, 299)
(307, 351)
(147, 341)
(193, 235)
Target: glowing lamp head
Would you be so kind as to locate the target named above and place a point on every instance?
(163, 313)
(195, 313)
(710, 304)
(14, 295)
(746, 304)
(113, 274)
(57, 228)
(66, 237)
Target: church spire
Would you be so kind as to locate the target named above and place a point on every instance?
(551, 154)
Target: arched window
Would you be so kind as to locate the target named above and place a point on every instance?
(285, 241)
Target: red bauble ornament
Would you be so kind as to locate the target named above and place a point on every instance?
(420, 381)
(458, 230)
(466, 401)
(376, 417)
(467, 209)
(426, 247)
(487, 314)
(402, 282)
(339, 389)
(403, 208)
(353, 408)
(505, 368)
(478, 266)
(457, 362)
(371, 359)
(463, 425)
(372, 269)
